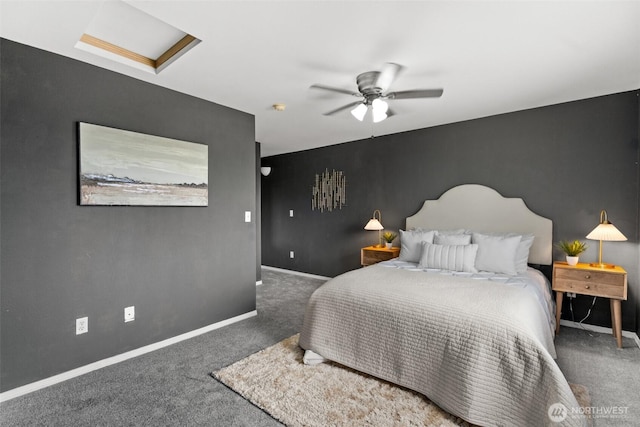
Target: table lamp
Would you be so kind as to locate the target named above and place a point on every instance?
(374, 224)
(607, 232)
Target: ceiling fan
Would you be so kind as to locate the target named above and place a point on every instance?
(372, 89)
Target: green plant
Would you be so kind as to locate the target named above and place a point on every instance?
(574, 248)
(388, 236)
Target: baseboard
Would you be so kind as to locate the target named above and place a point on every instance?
(599, 329)
(47, 382)
(297, 273)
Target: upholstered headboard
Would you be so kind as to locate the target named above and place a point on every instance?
(479, 208)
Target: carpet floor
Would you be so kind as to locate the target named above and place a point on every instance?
(173, 387)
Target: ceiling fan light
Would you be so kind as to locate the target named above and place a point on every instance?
(380, 106)
(378, 115)
(359, 112)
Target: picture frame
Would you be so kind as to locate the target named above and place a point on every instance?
(125, 168)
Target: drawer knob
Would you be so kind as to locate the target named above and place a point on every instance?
(586, 286)
(588, 276)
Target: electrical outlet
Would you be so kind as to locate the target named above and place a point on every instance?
(129, 314)
(82, 325)
(571, 294)
(291, 254)
(291, 213)
(247, 216)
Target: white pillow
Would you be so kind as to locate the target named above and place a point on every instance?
(455, 231)
(496, 253)
(522, 253)
(451, 238)
(449, 257)
(411, 244)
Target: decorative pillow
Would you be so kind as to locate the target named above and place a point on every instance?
(496, 253)
(457, 237)
(449, 257)
(411, 244)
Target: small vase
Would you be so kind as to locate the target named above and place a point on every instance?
(388, 245)
(572, 260)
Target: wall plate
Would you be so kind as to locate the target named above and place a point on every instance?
(129, 314)
(82, 325)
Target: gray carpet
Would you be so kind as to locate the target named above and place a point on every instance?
(172, 386)
(611, 374)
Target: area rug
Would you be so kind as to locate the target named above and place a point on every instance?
(276, 380)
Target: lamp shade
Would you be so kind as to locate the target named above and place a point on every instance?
(379, 110)
(606, 231)
(379, 105)
(360, 111)
(373, 224)
(378, 116)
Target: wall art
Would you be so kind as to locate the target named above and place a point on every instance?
(329, 191)
(119, 167)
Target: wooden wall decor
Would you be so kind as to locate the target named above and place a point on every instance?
(329, 191)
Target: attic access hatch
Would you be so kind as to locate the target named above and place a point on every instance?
(124, 34)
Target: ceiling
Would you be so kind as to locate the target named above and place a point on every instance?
(489, 57)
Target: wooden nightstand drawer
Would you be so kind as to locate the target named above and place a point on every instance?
(590, 276)
(373, 255)
(590, 281)
(589, 288)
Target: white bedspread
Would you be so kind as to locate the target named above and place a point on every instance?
(479, 347)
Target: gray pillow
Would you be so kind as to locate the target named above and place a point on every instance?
(411, 244)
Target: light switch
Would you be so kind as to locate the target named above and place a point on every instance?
(247, 216)
(291, 213)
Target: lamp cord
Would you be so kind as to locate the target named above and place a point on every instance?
(585, 317)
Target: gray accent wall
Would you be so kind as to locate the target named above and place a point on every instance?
(566, 161)
(182, 268)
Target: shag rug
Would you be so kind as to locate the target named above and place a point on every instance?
(276, 380)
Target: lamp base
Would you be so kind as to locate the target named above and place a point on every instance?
(601, 265)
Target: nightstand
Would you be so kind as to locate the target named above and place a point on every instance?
(374, 254)
(599, 282)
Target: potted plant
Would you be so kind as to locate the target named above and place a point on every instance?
(388, 237)
(572, 250)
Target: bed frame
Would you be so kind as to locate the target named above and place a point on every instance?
(479, 208)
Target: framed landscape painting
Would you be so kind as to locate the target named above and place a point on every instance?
(124, 168)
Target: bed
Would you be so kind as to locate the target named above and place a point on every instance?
(460, 316)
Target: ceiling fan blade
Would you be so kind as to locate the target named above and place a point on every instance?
(417, 93)
(334, 89)
(344, 107)
(388, 75)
